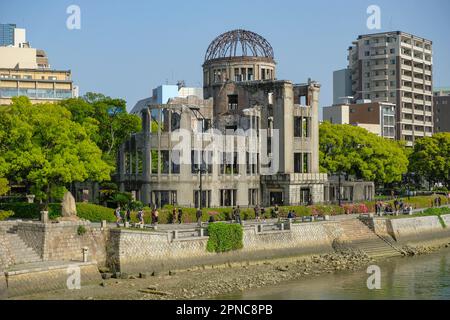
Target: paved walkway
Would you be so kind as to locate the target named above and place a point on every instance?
(193, 225)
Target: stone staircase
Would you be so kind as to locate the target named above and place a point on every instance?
(18, 251)
(361, 237)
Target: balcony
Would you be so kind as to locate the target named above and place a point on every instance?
(406, 99)
(379, 45)
(380, 66)
(407, 78)
(380, 78)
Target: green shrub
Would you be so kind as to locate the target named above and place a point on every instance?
(95, 213)
(81, 230)
(224, 237)
(5, 215)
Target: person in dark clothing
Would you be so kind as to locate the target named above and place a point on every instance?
(237, 215)
(199, 216)
(128, 215)
(257, 211)
(180, 215)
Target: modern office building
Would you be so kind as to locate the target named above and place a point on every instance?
(162, 94)
(375, 117)
(396, 67)
(12, 36)
(441, 108)
(342, 85)
(25, 71)
(257, 137)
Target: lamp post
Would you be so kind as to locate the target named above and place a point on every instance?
(201, 169)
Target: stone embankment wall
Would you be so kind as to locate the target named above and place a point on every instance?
(46, 278)
(412, 229)
(135, 251)
(55, 241)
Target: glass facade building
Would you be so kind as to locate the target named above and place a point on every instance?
(7, 34)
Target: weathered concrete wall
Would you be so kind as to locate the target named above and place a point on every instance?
(134, 251)
(446, 218)
(49, 278)
(410, 228)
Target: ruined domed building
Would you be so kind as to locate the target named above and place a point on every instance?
(259, 136)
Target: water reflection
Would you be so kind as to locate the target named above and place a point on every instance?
(424, 277)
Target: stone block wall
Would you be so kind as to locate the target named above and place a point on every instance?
(33, 234)
(6, 258)
(136, 251)
(62, 242)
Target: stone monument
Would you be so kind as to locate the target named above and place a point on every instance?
(69, 207)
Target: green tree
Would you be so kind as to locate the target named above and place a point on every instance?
(4, 187)
(350, 150)
(431, 158)
(106, 120)
(41, 146)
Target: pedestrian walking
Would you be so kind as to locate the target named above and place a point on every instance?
(140, 216)
(118, 216)
(128, 215)
(199, 217)
(156, 214)
(257, 211)
(276, 211)
(180, 215)
(174, 215)
(237, 215)
(263, 213)
(396, 205)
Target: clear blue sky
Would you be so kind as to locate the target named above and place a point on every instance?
(125, 48)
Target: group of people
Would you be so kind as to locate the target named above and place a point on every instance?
(127, 215)
(140, 216)
(177, 215)
(397, 207)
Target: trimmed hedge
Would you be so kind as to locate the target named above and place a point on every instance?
(95, 213)
(24, 210)
(224, 237)
(31, 211)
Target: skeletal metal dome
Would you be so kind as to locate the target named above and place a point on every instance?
(239, 43)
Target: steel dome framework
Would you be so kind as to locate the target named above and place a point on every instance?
(238, 43)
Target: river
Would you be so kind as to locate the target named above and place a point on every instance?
(420, 277)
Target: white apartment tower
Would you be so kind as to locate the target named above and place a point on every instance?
(396, 67)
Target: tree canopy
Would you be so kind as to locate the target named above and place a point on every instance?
(105, 119)
(351, 150)
(431, 158)
(41, 146)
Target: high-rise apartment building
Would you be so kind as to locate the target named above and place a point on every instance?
(441, 107)
(396, 67)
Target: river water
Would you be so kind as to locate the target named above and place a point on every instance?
(421, 277)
